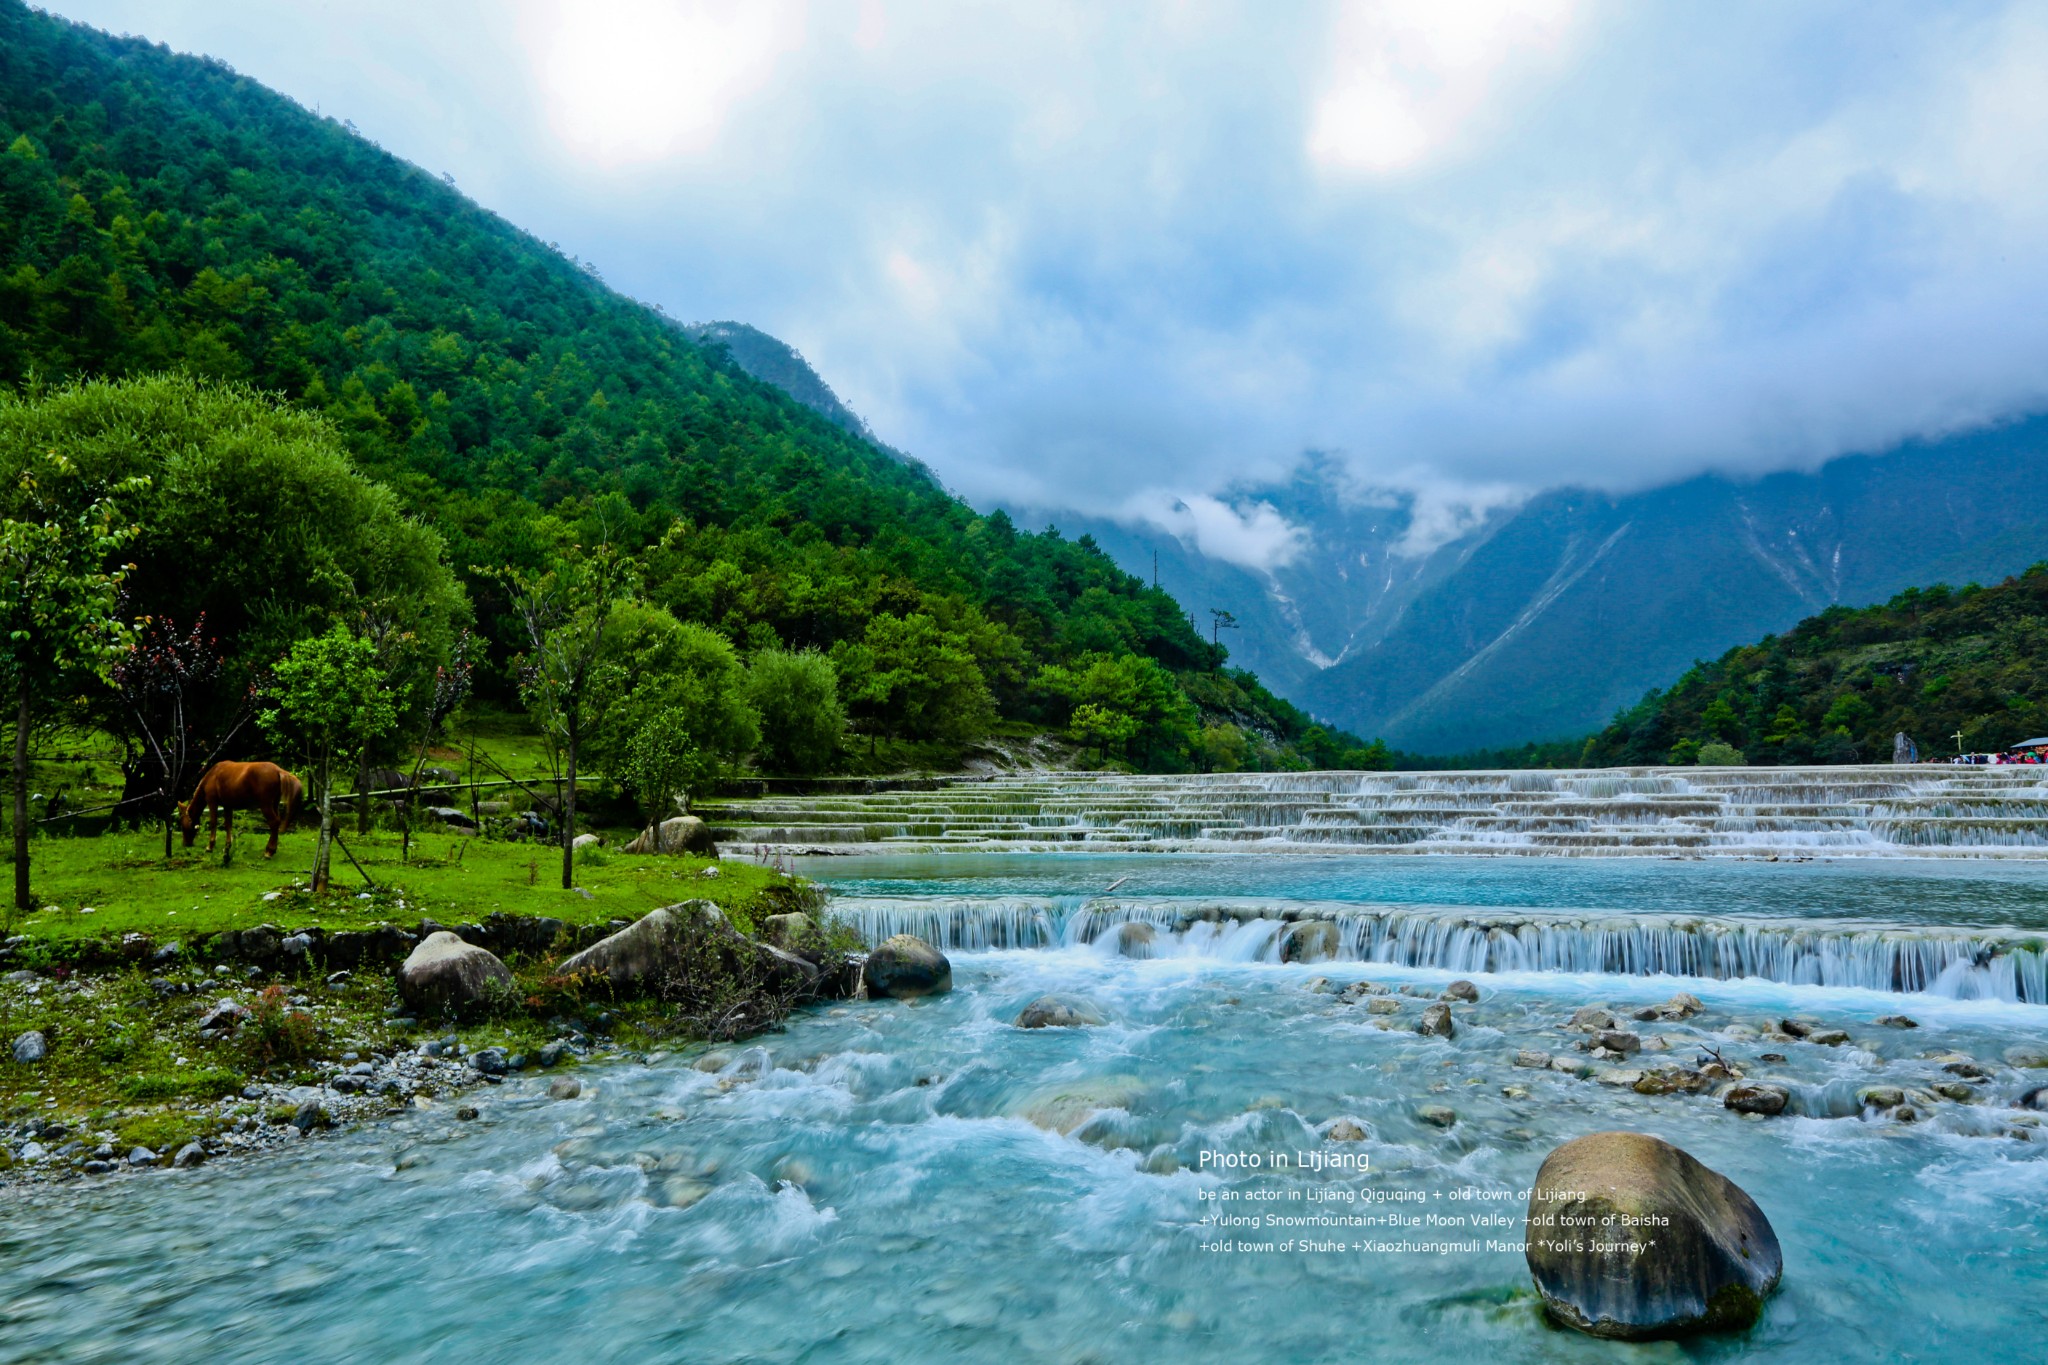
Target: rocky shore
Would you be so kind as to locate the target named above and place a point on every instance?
(262, 1039)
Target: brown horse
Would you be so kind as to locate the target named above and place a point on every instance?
(228, 787)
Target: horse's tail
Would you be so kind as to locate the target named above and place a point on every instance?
(294, 790)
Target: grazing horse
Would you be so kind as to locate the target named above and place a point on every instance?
(228, 787)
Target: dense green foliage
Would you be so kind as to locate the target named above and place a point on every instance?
(1932, 662)
(162, 213)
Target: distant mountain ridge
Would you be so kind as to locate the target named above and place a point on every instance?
(776, 362)
(1546, 618)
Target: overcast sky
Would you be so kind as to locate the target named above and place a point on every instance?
(1106, 255)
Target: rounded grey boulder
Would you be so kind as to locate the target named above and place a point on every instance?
(1757, 1099)
(1632, 1238)
(905, 966)
(1135, 939)
(1059, 1011)
(446, 972)
(31, 1048)
(1312, 940)
(1462, 990)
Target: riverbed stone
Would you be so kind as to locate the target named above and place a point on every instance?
(1462, 990)
(1592, 1019)
(1135, 940)
(1898, 1021)
(2026, 1058)
(2037, 1098)
(1634, 1239)
(904, 966)
(1384, 1004)
(1832, 1037)
(31, 1047)
(1767, 1100)
(1436, 1022)
(1344, 1130)
(1533, 1057)
(1683, 1005)
(1314, 940)
(141, 1156)
(1437, 1115)
(444, 972)
(1881, 1096)
(489, 1061)
(1059, 1011)
(564, 1088)
(1619, 1043)
(190, 1155)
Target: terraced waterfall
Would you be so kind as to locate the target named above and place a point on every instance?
(1921, 811)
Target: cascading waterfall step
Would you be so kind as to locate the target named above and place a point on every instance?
(1959, 963)
(1916, 811)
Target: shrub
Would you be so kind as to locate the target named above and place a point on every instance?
(797, 696)
(1719, 755)
(274, 1033)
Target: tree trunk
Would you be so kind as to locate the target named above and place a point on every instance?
(569, 814)
(321, 849)
(21, 896)
(363, 793)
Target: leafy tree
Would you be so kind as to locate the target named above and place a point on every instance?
(329, 698)
(60, 629)
(654, 667)
(452, 683)
(661, 763)
(162, 680)
(796, 695)
(254, 518)
(565, 613)
(910, 678)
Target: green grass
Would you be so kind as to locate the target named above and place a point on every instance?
(110, 884)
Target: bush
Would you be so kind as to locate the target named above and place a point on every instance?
(274, 1033)
(1719, 755)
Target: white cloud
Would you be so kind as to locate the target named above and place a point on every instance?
(1073, 254)
(638, 81)
(1251, 535)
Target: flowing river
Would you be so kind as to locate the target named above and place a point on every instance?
(888, 1181)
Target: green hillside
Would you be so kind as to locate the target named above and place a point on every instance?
(1932, 662)
(161, 213)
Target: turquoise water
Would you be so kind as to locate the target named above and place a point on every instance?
(887, 1182)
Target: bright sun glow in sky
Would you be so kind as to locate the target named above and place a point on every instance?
(1120, 257)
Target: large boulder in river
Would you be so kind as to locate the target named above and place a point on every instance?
(1059, 1011)
(906, 966)
(1629, 1237)
(1436, 1021)
(444, 972)
(641, 951)
(678, 834)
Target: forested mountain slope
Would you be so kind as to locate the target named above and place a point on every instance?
(1837, 687)
(160, 212)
